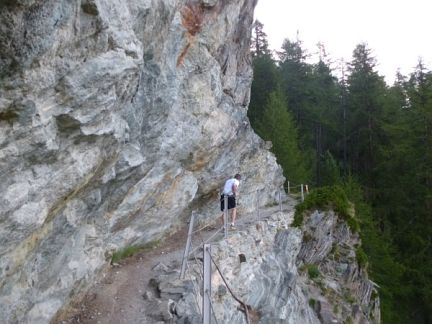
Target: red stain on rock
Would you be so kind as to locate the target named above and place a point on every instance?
(183, 54)
(192, 15)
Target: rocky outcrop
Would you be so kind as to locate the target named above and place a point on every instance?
(116, 119)
(284, 274)
(337, 283)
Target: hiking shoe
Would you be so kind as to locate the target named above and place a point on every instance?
(233, 227)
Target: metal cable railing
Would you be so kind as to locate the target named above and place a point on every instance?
(190, 250)
(206, 241)
(245, 307)
(195, 291)
(212, 308)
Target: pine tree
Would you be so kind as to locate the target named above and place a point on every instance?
(266, 76)
(401, 203)
(416, 243)
(381, 136)
(323, 112)
(295, 75)
(366, 90)
(278, 127)
(259, 43)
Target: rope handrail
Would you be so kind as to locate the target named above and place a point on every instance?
(202, 228)
(244, 305)
(208, 240)
(297, 186)
(191, 250)
(200, 270)
(212, 308)
(288, 187)
(221, 229)
(195, 290)
(285, 186)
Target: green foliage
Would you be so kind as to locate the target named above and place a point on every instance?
(361, 257)
(298, 219)
(312, 302)
(266, 80)
(336, 309)
(366, 95)
(259, 42)
(380, 138)
(331, 173)
(307, 237)
(326, 198)
(124, 253)
(348, 320)
(278, 127)
(269, 114)
(312, 270)
(8, 116)
(383, 268)
(132, 250)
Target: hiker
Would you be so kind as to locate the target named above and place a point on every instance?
(231, 190)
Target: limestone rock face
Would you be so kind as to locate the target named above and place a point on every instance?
(339, 290)
(269, 267)
(117, 117)
(266, 278)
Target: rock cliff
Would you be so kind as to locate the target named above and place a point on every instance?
(285, 275)
(116, 119)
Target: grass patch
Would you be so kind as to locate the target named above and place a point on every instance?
(336, 309)
(348, 297)
(312, 270)
(361, 256)
(307, 237)
(8, 116)
(271, 204)
(334, 248)
(132, 250)
(326, 198)
(320, 283)
(348, 320)
(312, 303)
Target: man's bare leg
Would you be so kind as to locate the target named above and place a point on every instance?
(233, 216)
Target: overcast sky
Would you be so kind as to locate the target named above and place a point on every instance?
(398, 31)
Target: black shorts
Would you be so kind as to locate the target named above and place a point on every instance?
(231, 202)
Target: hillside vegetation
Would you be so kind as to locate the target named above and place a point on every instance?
(373, 141)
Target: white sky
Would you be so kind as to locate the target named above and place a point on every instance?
(398, 31)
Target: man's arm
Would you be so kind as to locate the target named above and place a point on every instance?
(234, 189)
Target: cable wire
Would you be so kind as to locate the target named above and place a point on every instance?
(212, 309)
(245, 306)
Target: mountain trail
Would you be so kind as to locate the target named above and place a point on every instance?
(120, 297)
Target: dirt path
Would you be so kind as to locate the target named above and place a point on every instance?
(119, 298)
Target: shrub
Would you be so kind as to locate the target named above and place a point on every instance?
(312, 302)
(361, 256)
(326, 198)
(132, 250)
(312, 270)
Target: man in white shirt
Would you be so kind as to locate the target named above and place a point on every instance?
(231, 190)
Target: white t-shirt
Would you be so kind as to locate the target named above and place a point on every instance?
(228, 186)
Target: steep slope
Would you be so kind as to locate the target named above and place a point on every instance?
(285, 275)
(116, 118)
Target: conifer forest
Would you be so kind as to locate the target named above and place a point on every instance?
(343, 125)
